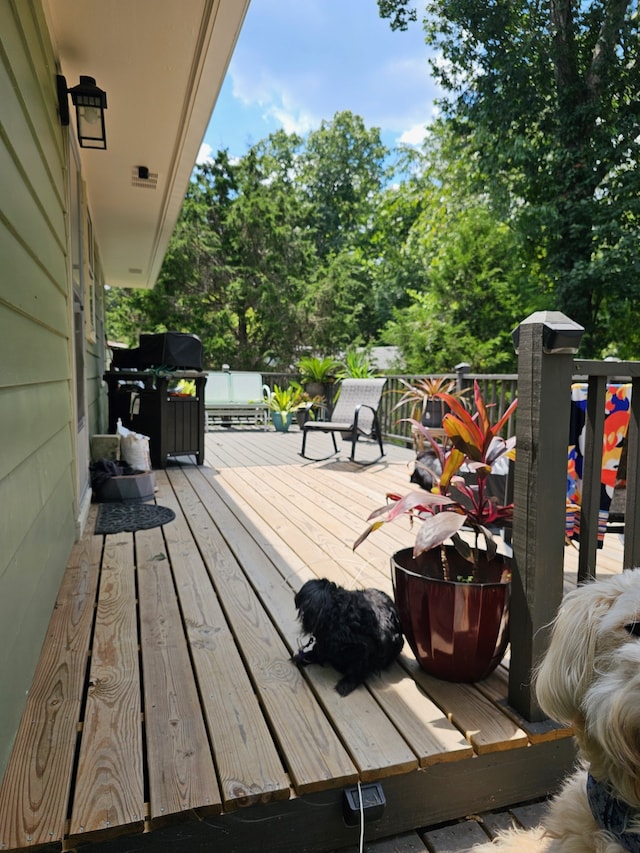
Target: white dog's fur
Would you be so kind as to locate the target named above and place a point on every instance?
(590, 679)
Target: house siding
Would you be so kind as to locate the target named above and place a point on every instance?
(37, 468)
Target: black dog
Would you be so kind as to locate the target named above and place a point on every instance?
(427, 470)
(357, 632)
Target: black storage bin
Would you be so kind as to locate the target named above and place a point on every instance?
(172, 349)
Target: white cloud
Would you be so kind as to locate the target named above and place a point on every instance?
(204, 153)
(299, 63)
(282, 98)
(292, 121)
(414, 135)
(251, 83)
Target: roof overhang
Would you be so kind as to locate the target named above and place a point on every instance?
(161, 63)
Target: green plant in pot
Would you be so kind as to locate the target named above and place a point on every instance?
(317, 375)
(306, 406)
(453, 590)
(282, 403)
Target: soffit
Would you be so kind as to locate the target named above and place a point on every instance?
(161, 63)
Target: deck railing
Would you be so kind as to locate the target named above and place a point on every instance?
(545, 376)
(498, 390)
(541, 424)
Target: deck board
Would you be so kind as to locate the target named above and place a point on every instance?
(312, 751)
(35, 788)
(166, 695)
(486, 728)
(109, 789)
(250, 770)
(426, 728)
(181, 771)
(377, 746)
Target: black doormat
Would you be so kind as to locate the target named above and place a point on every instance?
(129, 517)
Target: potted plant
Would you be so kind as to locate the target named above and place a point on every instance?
(317, 374)
(282, 402)
(452, 591)
(305, 405)
(426, 406)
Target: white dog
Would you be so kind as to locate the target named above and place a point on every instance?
(590, 679)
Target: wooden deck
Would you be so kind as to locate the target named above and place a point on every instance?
(166, 712)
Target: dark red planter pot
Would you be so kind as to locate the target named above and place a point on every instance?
(457, 631)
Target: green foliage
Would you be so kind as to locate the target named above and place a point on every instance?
(545, 96)
(266, 258)
(393, 265)
(525, 196)
(356, 365)
(400, 12)
(474, 294)
(285, 399)
(342, 169)
(315, 369)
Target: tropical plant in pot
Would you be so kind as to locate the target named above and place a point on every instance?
(423, 397)
(305, 406)
(317, 375)
(356, 364)
(453, 588)
(282, 402)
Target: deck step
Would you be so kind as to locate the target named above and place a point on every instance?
(35, 788)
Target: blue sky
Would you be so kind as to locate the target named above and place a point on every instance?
(298, 62)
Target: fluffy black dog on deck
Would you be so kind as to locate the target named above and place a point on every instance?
(357, 632)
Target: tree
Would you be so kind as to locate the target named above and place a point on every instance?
(238, 260)
(461, 262)
(338, 305)
(266, 257)
(342, 169)
(395, 269)
(471, 301)
(271, 253)
(546, 95)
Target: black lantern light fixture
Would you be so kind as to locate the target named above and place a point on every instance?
(90, 103)
(560, 334)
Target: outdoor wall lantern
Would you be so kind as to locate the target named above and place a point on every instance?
(90, 103)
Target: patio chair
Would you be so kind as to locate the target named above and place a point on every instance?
(355, 414)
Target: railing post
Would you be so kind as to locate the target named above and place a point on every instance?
(461, 371)
(632, 506)
(545, 342)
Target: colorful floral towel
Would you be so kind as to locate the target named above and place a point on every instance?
(617, 402)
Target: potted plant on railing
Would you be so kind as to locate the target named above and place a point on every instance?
(453, 590)
(356, 364)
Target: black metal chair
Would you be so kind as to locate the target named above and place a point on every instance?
(355, 414)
